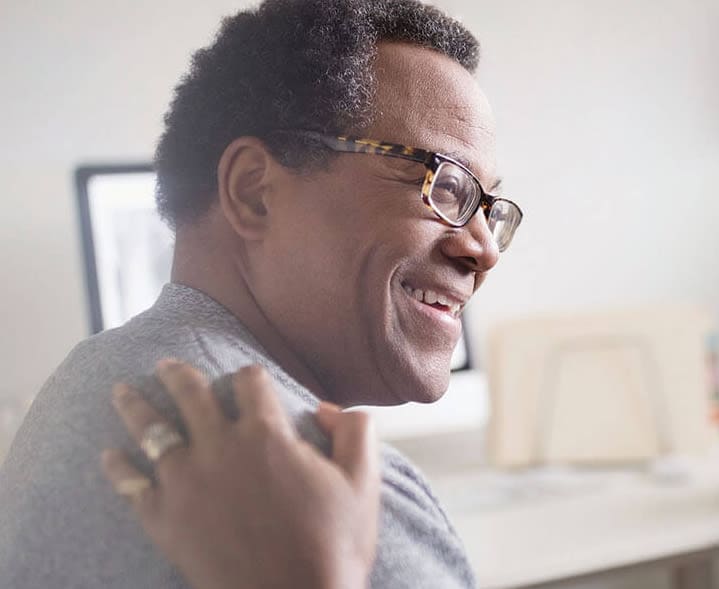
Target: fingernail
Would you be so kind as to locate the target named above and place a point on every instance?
(252, 371)
(166, 364)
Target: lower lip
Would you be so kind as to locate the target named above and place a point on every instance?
(442, 319)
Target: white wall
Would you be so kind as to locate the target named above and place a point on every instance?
(608, 115)
(608, 131)
(81, 82)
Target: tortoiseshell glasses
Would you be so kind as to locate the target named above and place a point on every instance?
(451, 190)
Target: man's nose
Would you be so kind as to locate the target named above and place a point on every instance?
(473, 245)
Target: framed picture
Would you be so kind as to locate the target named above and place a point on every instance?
(128, 248)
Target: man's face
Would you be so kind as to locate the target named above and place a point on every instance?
(350, 246)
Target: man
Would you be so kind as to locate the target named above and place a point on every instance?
(342, 272)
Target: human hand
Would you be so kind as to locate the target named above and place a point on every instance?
(249, 503)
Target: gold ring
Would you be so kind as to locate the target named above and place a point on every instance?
(158, 439)
(133, 488)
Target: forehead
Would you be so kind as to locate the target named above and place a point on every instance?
(425, 99)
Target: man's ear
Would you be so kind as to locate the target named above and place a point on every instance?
(244, 177)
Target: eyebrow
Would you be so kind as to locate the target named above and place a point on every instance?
(495, 186)
(455, 155)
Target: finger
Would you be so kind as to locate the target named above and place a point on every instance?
(327, 416)
(137, 415)
(257, 400)
(130, 483)
(354, 446)
(194, 397)
(355, 450)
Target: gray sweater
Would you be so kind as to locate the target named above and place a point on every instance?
(61, 524)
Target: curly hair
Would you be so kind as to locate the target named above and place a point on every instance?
(288, 64)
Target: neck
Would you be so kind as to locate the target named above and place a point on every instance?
(210, 259)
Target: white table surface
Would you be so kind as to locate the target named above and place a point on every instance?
(553, 524)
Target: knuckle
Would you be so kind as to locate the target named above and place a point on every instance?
(264, 431)
(264, 426)
(188, 386)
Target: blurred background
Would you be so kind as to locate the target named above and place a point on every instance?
(608, 137)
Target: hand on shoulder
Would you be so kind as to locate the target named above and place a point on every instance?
(249, 503)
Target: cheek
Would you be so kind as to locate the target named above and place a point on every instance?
(338, 243)
(316, 253)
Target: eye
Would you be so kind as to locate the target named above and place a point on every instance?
(450, 184)
(446, 189)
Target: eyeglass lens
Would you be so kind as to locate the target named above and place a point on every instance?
(504, 218)
(454, 195)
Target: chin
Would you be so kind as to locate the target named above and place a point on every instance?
(429, 393)
(423, 385)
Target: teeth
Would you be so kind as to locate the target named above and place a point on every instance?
(430, 297)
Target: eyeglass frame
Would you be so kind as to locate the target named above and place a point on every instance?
(431, 160)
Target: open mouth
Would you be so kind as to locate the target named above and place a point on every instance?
(434, 299)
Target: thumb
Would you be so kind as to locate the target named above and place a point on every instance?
(354, 444)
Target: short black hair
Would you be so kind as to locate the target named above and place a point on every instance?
(288, 64)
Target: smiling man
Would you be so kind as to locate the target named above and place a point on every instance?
(344, 273)
(329, 169)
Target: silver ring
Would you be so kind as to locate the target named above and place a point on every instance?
(158, 439)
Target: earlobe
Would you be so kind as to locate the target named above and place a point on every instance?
(243, 179)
